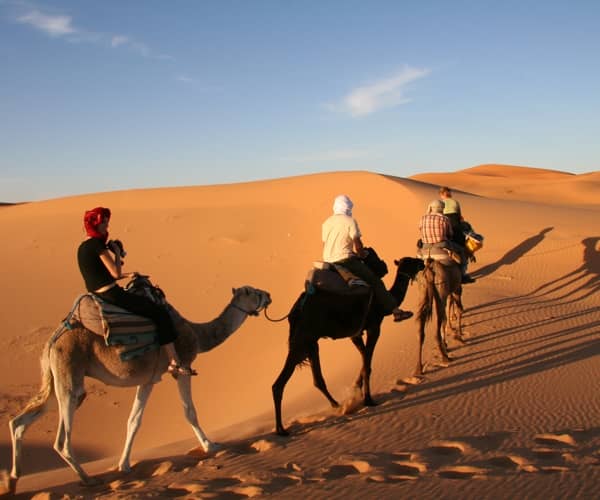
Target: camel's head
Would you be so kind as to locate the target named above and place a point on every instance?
(410, 266)
(250, 300)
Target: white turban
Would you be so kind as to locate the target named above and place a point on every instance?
(342, 205)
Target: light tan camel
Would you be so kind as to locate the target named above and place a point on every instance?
(78, 353)
(439, 284)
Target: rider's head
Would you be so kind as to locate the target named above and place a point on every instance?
(95, 222)
(342, 205)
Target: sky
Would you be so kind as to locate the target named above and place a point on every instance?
(103, 96)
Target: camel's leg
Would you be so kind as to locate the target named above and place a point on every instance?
(318, 380)
(457, 310)
(184, 384)
(360, 345)
(292, 360)
(441, 323)
(18, 426)
(68, 394)
(419, 368)
(367, 359)
(133, 423)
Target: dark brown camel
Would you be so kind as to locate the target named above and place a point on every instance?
(439, 284)
(329, 314)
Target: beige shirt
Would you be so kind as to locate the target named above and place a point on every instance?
(338, 233)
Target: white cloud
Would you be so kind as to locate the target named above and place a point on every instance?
(382, 94)
(184, 79)
(57, 25)
(118, 40)
(52, 25)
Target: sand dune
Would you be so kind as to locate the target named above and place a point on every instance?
(516, 414)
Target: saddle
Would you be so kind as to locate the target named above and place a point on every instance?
(444, 256)
(133, 335)
(335, 278)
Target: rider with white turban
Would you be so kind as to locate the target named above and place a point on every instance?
(342, 244)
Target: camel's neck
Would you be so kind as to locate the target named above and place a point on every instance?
(400, 286)
(213, 333)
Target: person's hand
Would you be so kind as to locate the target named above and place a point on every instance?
(472, 258)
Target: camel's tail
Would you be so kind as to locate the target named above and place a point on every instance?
(431, 296)
(37, 404)
(32, 411)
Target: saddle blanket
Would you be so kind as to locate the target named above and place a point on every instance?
(118, 326)
(335, 278)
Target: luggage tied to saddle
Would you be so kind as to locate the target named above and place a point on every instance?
(133, 335)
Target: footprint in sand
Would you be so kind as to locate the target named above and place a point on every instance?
(448, 448)
(163, 468)
(340, 471)
(555, 439)
(190, 487)
(247, 491)
(510, 462)
(410, 380)
(120, 485)
(262, 445)
(462, 472)
(405, 470)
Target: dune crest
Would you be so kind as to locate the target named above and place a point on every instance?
(509, 411)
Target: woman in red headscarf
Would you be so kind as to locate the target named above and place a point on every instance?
(101, 269)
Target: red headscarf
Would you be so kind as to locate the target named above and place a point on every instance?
(92, 218)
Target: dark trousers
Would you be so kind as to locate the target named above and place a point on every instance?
(143, 306)
(384, 298)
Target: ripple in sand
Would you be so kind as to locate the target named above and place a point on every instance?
(462, 472)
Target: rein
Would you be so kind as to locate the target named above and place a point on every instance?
(275, 320)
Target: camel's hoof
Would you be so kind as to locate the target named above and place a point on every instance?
(335, 404)
(125, 469)
(91, 481)
(370, 402)
(282, 432)
(8, 484)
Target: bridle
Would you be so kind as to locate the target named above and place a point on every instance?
(254, 312)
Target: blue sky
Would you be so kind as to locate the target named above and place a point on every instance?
(100, 96)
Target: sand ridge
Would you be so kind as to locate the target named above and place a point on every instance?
(509, 414)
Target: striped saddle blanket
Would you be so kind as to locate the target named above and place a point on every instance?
(118, 326)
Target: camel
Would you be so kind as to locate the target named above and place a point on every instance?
(333, 315)
(67, 359)
(439, 284)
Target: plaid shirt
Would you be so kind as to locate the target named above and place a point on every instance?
(435, 228)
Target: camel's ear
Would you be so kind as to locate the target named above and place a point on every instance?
(233, 290)
(397, 262)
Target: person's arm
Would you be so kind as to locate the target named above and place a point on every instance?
(359, 248)
(113, 265)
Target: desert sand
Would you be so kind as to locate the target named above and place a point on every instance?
(516, 414)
